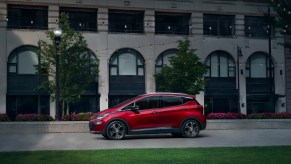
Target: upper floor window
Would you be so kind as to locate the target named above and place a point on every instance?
(172, 23)
(23, 60)
(164, 59)
(258, 66)
(126, 62)
(220, 64)
(81, 19)
(255, 26)
(218, 25)
(126, 21)
(27, 17)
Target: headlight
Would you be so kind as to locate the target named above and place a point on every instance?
(93, 117)
(101, 116)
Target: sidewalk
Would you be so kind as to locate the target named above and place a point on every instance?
(87, 141)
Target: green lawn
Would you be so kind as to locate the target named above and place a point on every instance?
(278, 155)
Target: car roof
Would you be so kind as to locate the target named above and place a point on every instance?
(168, 94)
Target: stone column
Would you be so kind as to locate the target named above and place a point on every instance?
(149, 51)
(3, 57)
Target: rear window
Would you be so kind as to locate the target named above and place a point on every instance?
(167, 101)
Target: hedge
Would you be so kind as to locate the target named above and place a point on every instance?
(283, 115)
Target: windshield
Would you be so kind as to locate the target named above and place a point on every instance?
(124, 102)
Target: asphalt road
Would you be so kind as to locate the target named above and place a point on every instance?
(87, 141)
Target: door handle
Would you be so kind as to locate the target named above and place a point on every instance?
(184, 109)
(155, 112)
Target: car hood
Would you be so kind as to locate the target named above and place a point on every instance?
(112, 110)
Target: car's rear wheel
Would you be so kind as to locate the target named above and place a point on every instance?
(190, 129)
(116, 130)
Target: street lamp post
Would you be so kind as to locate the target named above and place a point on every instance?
(239, 54)
(57, 39)
(269, 45)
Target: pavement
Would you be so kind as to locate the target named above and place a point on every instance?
(87, 141)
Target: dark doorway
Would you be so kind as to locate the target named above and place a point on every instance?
(221, 104)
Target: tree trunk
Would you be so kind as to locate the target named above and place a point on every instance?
(68, 108)
(63, 107)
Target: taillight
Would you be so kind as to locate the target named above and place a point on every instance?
(201, 109)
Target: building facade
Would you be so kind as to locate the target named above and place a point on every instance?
(133, 39)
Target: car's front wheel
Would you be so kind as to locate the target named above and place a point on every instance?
(116, 130)
(190, 129)
(105, 136)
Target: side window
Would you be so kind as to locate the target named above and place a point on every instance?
(167, 101)
(148, 103)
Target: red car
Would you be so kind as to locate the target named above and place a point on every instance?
(176, 113)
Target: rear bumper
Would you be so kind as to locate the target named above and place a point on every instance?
(95, 132)
(203, 126)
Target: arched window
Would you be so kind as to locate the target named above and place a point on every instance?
(258, 66)
(126, 62)
(23, 60)
(81, 59)
(85, 61)
(220, 64)
(24, 94)
(164, 59)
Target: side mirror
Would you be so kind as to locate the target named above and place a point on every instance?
(135, 109)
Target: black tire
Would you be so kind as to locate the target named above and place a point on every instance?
(178, 135)
(190, 129)
(116, 130)
(105, 136)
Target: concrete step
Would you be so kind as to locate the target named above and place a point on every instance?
(82, 126)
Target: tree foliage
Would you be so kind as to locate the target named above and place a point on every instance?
(78, 67)
(283, 20)
(185, 74)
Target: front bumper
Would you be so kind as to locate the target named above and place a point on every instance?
(203, 126)
(95, 129)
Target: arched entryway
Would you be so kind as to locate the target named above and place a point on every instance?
(126, 75)
(260, 83)
(221, 94)
(24, 95)
(90, 97)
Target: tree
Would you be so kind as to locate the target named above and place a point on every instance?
(77, 66)
(283, 20)
(185, 74)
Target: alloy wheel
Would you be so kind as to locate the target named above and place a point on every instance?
(116, 130)
(190, 129)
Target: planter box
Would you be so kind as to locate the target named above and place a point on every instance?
(82, 126)
(249, 124)
(45, 127)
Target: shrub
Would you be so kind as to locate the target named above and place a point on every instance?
(33, 117)
(228, 115)
(78, 117)
(283, 115)
(68, 117)
(84, 116)
(4, 117)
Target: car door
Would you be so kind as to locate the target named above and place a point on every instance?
(147, 116)
(171, 111)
